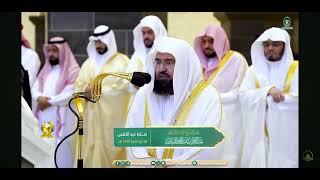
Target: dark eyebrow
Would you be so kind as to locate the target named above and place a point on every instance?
(277, 42)
(168, 59)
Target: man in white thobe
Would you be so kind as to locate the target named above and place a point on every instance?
(224, 69)
(176, 77)
(144, 34)
(111, 110)
(53, 90)
(269, 103)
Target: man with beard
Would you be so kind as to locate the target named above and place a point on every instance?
(224, 69)
(52, 91)
(176, 96)
(269, 103)
(149, 29)
(111, 110)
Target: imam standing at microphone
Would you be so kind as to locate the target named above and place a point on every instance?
(111, 110)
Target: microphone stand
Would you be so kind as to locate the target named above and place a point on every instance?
(78, 103)
(76, 97)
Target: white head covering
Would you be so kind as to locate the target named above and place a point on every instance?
(159, 30)
(187, 74)
(272, 73)
(107, 38)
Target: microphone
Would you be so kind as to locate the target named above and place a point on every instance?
(146, 76)
(138, 80)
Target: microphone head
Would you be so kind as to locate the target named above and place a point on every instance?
(146, 76)
(138, 80)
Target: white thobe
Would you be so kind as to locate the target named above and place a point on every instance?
(279, 147)
(31, 63)
(50, 114)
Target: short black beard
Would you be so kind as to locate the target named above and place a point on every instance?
(102, 52)
(163, 87)
(149, 46)
(275, 60)
(212, 55)
(54, 62)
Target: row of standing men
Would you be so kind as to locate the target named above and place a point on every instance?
(255, 107)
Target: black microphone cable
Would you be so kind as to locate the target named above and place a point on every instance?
(139, 80)
(56, 150)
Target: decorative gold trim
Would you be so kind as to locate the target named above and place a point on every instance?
(286, 88)
(181, 118)
(289, 78)
(224, 60)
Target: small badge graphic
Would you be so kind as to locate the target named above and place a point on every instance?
(307, 156)
(287, 23)
(47, 129)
